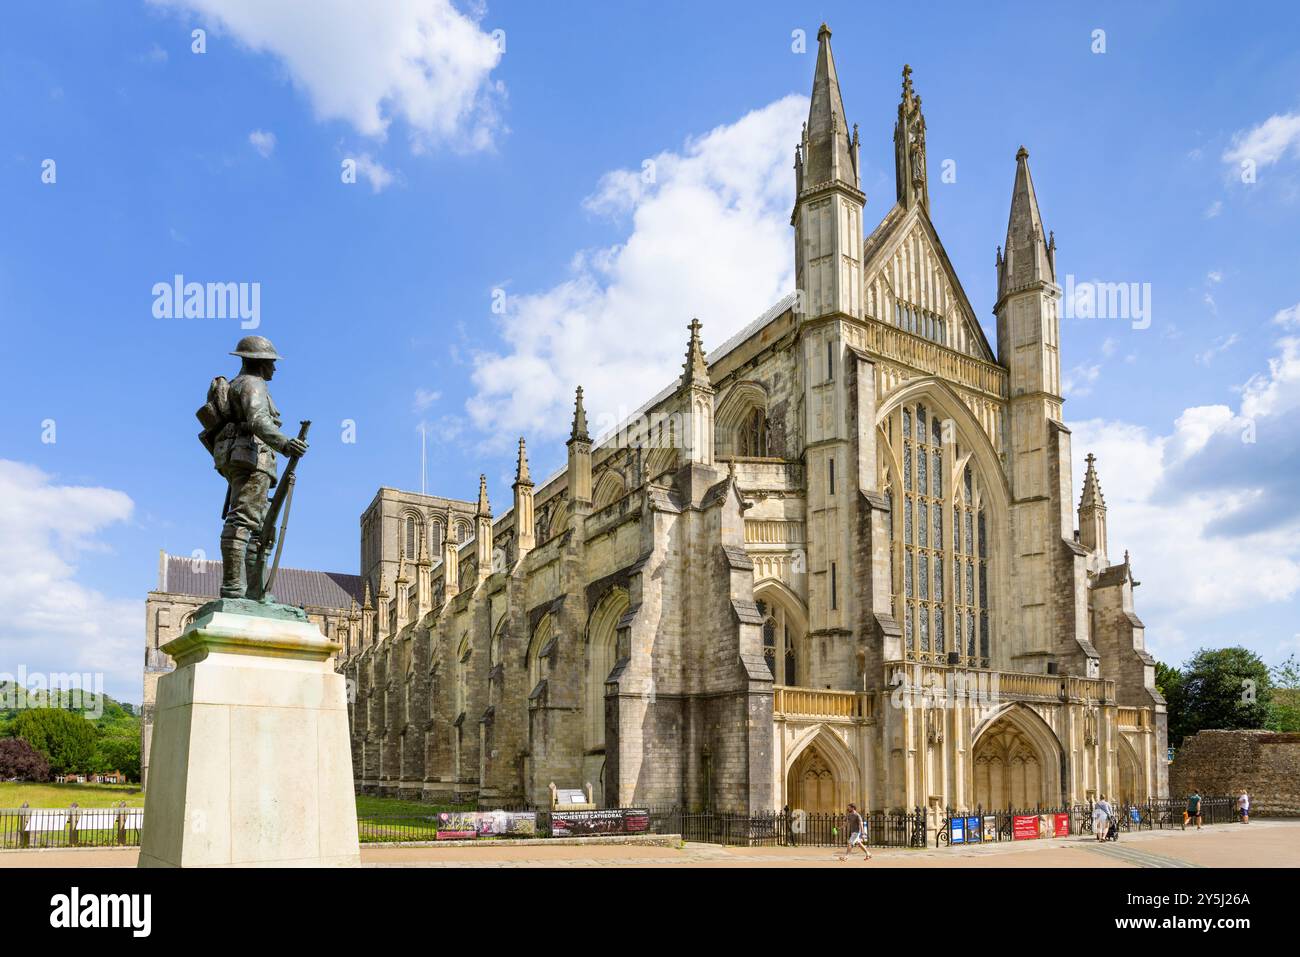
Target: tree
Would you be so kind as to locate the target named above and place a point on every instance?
(66, 739)
(119, 752)
(1220, 689)
(20, 760)
(1169, 682)
(1286, 695)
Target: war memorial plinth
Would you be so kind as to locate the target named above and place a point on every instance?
(250, 764)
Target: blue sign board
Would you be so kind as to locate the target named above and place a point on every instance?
(957, 830)
(972, 830)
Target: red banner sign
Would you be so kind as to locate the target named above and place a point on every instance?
(1024, 827)
(1062, 825)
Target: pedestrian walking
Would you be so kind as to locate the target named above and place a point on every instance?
(857, 829)
(1193, 809)
(1101, 812)
(1243, 806)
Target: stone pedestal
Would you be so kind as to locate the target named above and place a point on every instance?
(250, 763)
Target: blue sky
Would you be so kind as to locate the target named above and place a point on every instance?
(508, 169)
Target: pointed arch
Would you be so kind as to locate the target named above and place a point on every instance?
(542, 635)
(1016, 760)
(559, 520)
(661, 459)
(950, 524)
(498, 639)
(820, 744)
(785, 632)
(1132, 783)
(602, 654)
(740, 423)
(463, 653)
(609, 488)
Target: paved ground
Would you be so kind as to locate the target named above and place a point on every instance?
(1262, 843)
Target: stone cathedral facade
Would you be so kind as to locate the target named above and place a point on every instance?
(840, 559)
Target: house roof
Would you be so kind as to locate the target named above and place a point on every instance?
(293, 586)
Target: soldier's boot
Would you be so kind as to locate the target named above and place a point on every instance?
(234, 545)
(254, 569)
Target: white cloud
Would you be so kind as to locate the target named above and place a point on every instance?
(1220, 345)
(49, 622)
(1078, 381)
(1209, 508)
(1288, 318)
(367, 64)
(379, 177)
(1108, 346)
(262, 141)
(1214, 209)
(1266, 143)
(708, 236)
(1214, 277)
(425, 398)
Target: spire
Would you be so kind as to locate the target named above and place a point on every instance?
(1092, 511)
(909, 149)
(695, 370)
(828, 154)
(525, 533)
(1026, 257)
(1092, 497)
(521, 466)
(366, 604)
(579, 431)
(695, 396)
(424, 558)
(484, 509)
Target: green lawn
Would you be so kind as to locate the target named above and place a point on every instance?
(105, 795)
(63, 795)
(393, 807)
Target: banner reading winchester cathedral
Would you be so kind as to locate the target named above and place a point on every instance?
(843, 561)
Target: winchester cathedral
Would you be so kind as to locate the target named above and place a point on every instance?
(840, 559)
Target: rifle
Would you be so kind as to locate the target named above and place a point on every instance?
(261, 581)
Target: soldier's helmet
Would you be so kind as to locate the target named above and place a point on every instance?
(256, 347)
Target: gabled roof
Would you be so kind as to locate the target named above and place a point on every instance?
(891, 230)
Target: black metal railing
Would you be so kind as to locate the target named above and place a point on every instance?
(26, 827)
(793, 829)
(1158, 814)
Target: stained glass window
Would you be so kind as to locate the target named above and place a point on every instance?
(943, 590)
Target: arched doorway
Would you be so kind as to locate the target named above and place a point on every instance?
(1016, 762)
(1130, 777)
(822, 775)
(811, 783)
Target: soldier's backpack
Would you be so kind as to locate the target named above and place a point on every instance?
(215, 413)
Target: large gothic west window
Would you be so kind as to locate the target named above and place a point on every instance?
(941, 533)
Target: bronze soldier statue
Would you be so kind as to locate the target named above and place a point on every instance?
(242, 431)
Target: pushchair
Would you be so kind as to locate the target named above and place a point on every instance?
(1112, 829)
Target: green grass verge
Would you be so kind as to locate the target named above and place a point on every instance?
(15, 794)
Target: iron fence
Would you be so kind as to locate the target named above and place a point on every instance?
(25, 827)
(793, 829)
(1158, 814)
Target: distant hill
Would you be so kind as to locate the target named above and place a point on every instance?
(104, 710)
